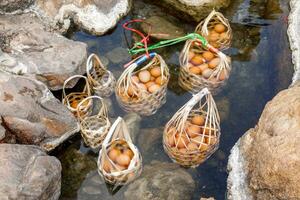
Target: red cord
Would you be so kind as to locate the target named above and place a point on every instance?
(145, 39)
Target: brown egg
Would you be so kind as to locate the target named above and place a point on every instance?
(159, 80)
(219, 28)
(198, 140)
(181, 141)
(197, 60)
(142, 86)
(74, 104)
(129, 153)
(171, 140)
(224, 36)
(135, 79)
(191, 55)
(192, 146)
(154, 88)
(204, 147)
(106, 165)
(213, 36)
(198, 120)
(149, 84)
(183, 150)
(123, 160)
(214, 63)
(144, 76)
(207, 55)
(155, 72)
(121, 168)
(208, 131)
(203, 67)
(130, 90)
(113, 154)
(210, 140)
(207, 73)
(193, 130)
(222, 75)
(195, 70)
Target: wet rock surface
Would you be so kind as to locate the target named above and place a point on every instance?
(31, 114)
(27, 172)
(265, 161)
(95, 16)
(31, 50)
(161, 181)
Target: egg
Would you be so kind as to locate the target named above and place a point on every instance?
(183, 150)
(214, 63)
(210, 140)
(195, 70)
(207, 55)
(222, 75)
(153, 88)
(204, 147)
(152, 78)
(219, 28)
(123, 159)
(113, 154)
(198, 120)
(207, 73)
(131, 90)
(144, 76)
(129, 153)
(149, 84)
(142, 86)
(203, 66)
(213, 36)
(120, 167)
(197, 60)
(155, 72)
(181, 141)
(160, 81)
(193, 131)
(224, 36)
(74, 104)
(106, 165)
(135, 79)
(198, 140)
(192, 146)
(191, 55)
(171, 140)
(208, 131)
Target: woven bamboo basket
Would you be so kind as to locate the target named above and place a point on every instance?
(94, 128)
(130, 94)
(193, 133)
(207, 28)
(195, 81)
(102, 80)
(116, 143)
(73, 99)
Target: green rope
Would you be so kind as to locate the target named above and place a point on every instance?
(139, 47)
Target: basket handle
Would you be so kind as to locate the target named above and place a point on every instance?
(90, 61)
(142, 59)
(102, 111)
(87, 86)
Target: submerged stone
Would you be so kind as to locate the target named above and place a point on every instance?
(27, 172)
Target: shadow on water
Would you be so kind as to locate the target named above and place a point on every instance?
(261, 67)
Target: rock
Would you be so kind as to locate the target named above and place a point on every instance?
(32, 114)
(194, 10)
(133, 122)
(293, 30)
(27, 172)
(118, 55)
(14, 5)
(210, 198)
(264, 163)
(75, 167)
(162, 28)
(223, 108)
(95, 16)
(161, 181)
(33, 51)
(148, 137)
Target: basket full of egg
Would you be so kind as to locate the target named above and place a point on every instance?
(215, 28)
(142, 89)
(73, 99)
(192, 134)
(101, 79)
(119, 160)
(202, 66)
(94, 128)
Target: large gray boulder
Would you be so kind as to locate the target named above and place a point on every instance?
(26, 172)
(31, 50)
(31, 114)
(95, 16)
(194, 10)
(265, 162)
